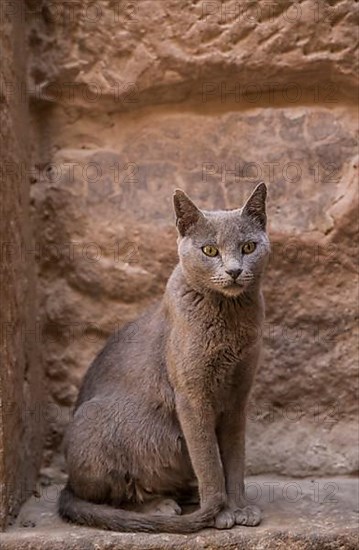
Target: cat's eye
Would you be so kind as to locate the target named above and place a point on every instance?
(249, 247)
(210, 250)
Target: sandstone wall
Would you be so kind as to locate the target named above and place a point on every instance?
(20, 368)
(133, 99)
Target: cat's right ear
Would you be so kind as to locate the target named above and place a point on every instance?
(255, 207)
(187, 213)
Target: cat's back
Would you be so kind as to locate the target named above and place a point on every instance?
(130, 357)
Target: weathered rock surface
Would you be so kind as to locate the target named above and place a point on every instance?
(219, 96)
(20, 365)
(298, 514)
(107, 243)
(155, 52)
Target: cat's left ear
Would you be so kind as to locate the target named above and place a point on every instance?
(187, 213)
(255, 207)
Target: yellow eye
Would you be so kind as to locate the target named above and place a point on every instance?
(249, 247)
(210, 250)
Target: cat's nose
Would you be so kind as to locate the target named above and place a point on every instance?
(234, 273)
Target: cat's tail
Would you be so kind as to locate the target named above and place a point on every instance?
(76, 510)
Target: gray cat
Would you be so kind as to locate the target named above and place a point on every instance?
(160, 419)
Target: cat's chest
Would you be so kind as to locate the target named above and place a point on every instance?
(212, 344)
(224, 347)
(227, 336)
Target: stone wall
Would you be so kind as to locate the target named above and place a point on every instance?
(20, 367)
(133, 99)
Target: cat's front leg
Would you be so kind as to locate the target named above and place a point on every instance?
(197, 420)
(231, 436)
(231, 439)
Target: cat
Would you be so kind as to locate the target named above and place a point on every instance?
(160, 419)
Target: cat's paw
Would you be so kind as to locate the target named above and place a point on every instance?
(167, 507)
(248, 515)
(228, 517)
(225, 519)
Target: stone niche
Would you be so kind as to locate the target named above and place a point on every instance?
(113, 204)
(209, 97)
(130, 101)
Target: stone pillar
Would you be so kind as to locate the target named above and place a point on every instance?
(20, 367)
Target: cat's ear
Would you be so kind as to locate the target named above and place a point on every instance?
(187, 213)
(255, 207)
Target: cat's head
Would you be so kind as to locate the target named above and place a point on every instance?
(223, 251)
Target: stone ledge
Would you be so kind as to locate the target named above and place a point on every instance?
(302, 514)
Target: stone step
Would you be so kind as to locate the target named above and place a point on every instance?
(303, 514)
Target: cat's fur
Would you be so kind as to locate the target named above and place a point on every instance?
(164, 410)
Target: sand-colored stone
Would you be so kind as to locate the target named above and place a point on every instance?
(298, 515)
(128, 101)
(156, 52)
(21, 386)
(113, 203)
